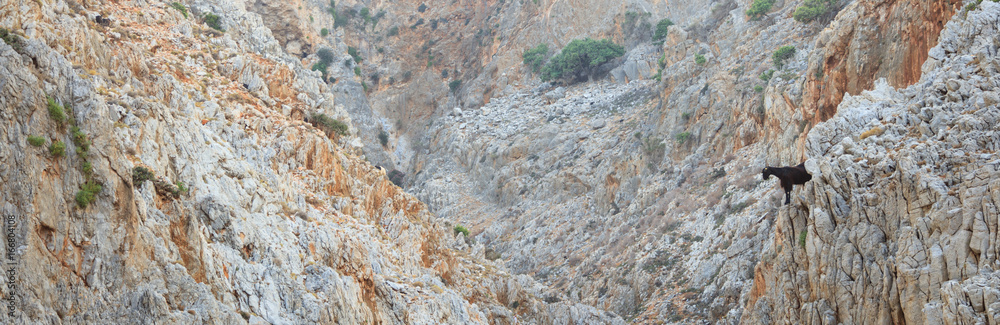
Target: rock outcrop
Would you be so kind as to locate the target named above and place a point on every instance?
(183, 186)
(899, 222)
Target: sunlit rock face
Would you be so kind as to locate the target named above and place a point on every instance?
(630, 195)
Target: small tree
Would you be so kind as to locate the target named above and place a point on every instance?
(455, 84)
(783, 54)
(56, 111)
(179, 7)
(661, 30)
(459, 229)
(383, 137)
(214, 21)
(36, 140)
(535, 57)
(353, 52)
(758, 8)
(578, 59)
(324, 32)
(813, 9)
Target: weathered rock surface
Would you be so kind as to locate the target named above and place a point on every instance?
(253, 215)
(897, 222)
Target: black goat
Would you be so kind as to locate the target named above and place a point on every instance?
(789, 176)
(104, 21)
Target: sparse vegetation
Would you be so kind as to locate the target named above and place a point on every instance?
(874, 131)
(767, 75)
(758, 88)
(812, 9)
(578, 59)
(383, 137)
(682, 137)
(422, 8)
(81, 141)
(57, 149)
(181, 188)
(141, 174)
(214, 21)
(325, 58)
(180, 7)
(759, 8)
(535, 57)
(802, 238)
(461, 230)
(36, 140)
(11, 39)
(329, 125)
(418, 23)
(661, 30)
(353, 52)
(56, 112)
(393, 31)
(357, 71)
(699, 59)
(783, 54)
(87, 194)
(455, 84)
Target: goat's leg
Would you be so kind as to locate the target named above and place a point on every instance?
(788, 197)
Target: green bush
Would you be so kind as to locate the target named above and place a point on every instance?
(179, 7)
(57, 149)
(329, 125)
(422, 8)
(11, 39)
(181, 188)
(214, 21)
(324, 32)
(783, 54)
(461, 230)
(758, 8)
(683, 136)
(661, 29)
(699, 59)
(767, 75)
(357, 71)
(325, 56)
(56, 112)
(802, 238)
(36, 140)
(87, 194)
(88, 169)
(321, 67)
(141, 174)
(393, 31)
(812, 9)
(353, 52)
(758, 89)
(81, 141)
(578, 59)
(383, 137)
(535, 57)
(455, 84)
(418, 23)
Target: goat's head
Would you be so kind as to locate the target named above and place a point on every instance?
(766, 173)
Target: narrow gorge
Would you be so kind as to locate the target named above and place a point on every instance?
(441, 162)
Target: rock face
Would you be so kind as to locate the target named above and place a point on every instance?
(625, 196)
(897, 223)
(190, 190)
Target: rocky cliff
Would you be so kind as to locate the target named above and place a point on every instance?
(198, 182)
(159, 170)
